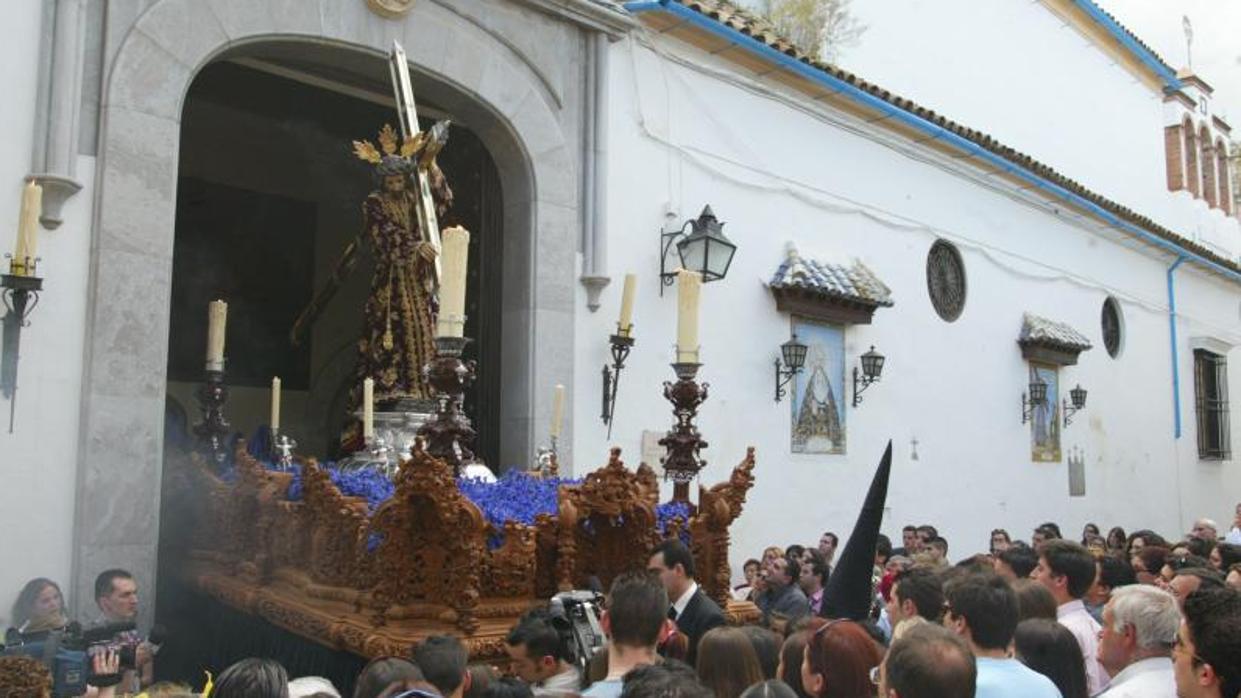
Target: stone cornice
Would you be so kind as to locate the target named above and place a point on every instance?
(590, 14)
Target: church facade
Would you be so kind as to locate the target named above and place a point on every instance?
(1104, 258)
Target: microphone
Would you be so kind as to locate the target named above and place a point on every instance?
(156, 638)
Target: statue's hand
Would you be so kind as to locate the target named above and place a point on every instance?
(428, 251)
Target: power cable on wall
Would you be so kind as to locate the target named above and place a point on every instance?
(821, 199)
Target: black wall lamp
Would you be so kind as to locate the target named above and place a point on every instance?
(794, 353)
(1078, 397)
(705, 249)
(872, 369)
(1036, 398)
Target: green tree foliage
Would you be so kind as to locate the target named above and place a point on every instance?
(821, 28)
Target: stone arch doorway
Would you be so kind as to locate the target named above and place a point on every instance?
(459, 65)
(268, 198)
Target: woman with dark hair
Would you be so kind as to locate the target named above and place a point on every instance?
(1143, 539)
(766, 644)
(838, 660)
(252, 678)
(1224, 556)
(39, 606)
(1049, 648)
(1088, 531)
(1148, 562)
(382, 672)
(727, 662)
(1116, 541)
(793, 653)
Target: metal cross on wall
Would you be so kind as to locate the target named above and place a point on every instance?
(407, 113)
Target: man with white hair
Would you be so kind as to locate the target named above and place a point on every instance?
(1206, 529)
(1140, 623)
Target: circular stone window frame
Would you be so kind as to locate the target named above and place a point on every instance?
(938, 248)
(1112, 351)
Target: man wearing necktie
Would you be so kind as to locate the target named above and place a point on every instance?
(692, 610)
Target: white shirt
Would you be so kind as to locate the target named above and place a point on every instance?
(1148, 678)
(1074, 616)
(681, 603)
(1234, 536)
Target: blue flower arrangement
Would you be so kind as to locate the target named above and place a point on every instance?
(666, 512)
(371, 485)
(515, 496)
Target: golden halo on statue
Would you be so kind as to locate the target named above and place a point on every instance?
(392, 9)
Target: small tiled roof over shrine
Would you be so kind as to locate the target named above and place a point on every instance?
(828, 291)
(1044, 331)
(853, 282)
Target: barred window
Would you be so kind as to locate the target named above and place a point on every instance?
(1211, 390)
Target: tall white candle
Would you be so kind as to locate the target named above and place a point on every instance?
(557, 410)
(626, 310)
(28, 226)
(368, 408)
(217, 317)
(275, 403)
(451, 321)
(689, 288)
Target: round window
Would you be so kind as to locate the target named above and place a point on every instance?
(1113, 327)
(945, 280)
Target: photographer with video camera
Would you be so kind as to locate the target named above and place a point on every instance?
(540, 657)
(22, 676)
(116, 594)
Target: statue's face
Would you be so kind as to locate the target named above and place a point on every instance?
(394, 183)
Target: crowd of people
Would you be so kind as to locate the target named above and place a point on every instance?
(1113, 616)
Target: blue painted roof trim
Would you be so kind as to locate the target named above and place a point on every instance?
(1125, 37)
(934, 130)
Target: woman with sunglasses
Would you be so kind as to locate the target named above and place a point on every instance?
(839, 661)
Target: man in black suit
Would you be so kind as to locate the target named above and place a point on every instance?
(693, 611)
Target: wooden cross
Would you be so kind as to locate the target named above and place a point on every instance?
(407, 113)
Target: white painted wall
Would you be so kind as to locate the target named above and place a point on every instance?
(38, 460)
(1017, 71)
(776, 173)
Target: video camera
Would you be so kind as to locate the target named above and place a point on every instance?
(68, 653)
(575, 615)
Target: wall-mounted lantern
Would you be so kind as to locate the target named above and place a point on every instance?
(705, 249)
(872, 369)
(794, 353)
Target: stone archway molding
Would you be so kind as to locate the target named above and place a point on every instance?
(123, 393)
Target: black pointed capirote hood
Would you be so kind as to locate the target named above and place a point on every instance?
(849, 592)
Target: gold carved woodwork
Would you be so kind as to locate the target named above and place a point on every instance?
(433, 542)
(718, 508)
(607, 524)
(306, 566)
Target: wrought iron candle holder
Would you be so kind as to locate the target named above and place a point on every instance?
(622, 342)
(683, 442)
(21, 288)
(449, 433)
(214, 429)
